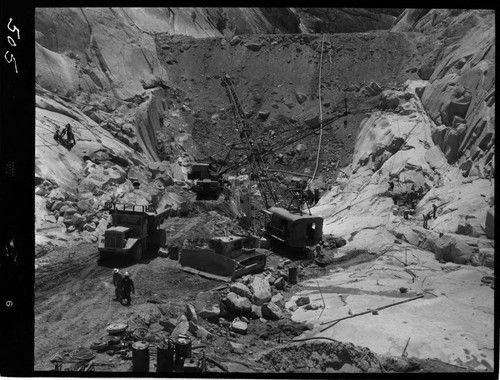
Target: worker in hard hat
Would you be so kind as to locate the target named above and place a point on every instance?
(127, 287)
(117, 282)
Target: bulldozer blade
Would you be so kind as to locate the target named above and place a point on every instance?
(208, 262)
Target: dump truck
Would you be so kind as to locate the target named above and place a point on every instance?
(293, 230)
(225, 258)
(207, 183)
(132, 230)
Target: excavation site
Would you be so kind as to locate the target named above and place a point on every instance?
(264, 190)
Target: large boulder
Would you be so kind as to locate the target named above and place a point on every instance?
(181, 329)
(57, 194)
(389, 99)
(271, 311)
(238, 326)
(280, 283)
(301, 98)
(210, 312)
(191, 313)
(253, 46)
(158, 169)
(256, 312)
(451, 248)
(278, 300)
(303, 300)
(241, 290)
(237, 304)
(261, 291)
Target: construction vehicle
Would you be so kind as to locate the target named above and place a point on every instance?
(225, 258)
(294, 230)
(207, 183)
(133, 229)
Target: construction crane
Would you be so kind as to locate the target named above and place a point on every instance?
(257, 151)
(295, 231)
(255, 155)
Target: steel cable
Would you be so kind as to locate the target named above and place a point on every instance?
(82, 354)
(320, 110)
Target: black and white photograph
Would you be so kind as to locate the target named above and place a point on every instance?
(278, 191)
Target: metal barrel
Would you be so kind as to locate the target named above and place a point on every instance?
(182, 350)
(140, 357)
(292, 275)
(173, 252)
(165, 356)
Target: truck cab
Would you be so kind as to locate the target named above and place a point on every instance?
(132, 229)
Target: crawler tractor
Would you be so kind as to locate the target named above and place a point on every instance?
(207, 183)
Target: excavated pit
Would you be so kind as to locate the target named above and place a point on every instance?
(179, 111)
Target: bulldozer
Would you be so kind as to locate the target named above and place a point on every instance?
(207, 183)
(132, 230)
(225, 259)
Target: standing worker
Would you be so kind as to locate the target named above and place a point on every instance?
(426, 218)
(127, 287)
(318, 250)
(117, 282)
(412, 194)
(434, 209)
(57, 134)
(70, 139)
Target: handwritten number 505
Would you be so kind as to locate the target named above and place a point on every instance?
(12, 43)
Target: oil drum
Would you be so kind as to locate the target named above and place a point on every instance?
(182, 350)
(292, 275)
(165, 356)
(173, 252)
(140, 357)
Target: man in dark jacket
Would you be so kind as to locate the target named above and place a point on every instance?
(70, 139)
(426, 218)
(127, 287)
(117, 282)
